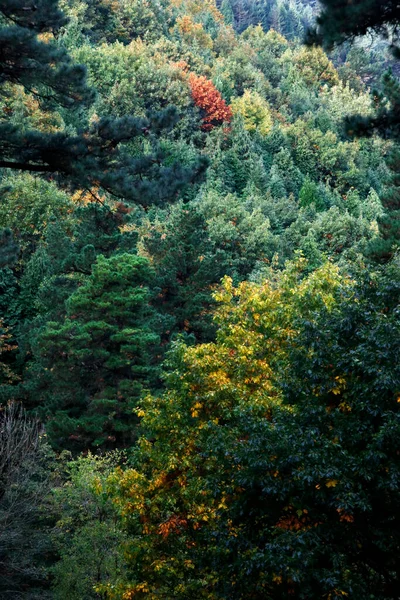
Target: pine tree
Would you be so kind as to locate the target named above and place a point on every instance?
(241, 11)
(227, 10)
(310, 194)
(187, 267)
(384, 247)
(90, 366)
(31, 62)
(8, 248)
(30, 57)
(41, 67)
(340, 20)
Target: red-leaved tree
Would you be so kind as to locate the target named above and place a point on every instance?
(214, 109)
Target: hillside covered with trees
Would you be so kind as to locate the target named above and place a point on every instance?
(199, 300)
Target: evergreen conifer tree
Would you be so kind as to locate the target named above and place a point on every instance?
(383, 248)
(30, 57)
(227, 11)
(343, 21)
(90, 367)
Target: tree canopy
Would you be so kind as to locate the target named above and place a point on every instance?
(199, 300)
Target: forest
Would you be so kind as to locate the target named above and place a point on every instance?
(199, 300)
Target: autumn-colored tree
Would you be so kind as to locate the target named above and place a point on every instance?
(270, 467)
(255, 112)
(315, 67)
(214, 109)
(191, 31)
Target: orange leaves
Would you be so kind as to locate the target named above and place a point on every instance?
(293, 523)
(182, 65)
(190, 31)
(174, 524)
(196, 7)
(209, 100)
(186, 24)
(345, 517)
(298, 520)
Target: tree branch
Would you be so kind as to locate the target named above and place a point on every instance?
(8, 164)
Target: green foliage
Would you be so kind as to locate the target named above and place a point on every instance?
(133, 79)
(389, 221)
(8, 248)
(309, 194)
(86, 535)
(90, 367)
(288, 17)
(255, 112)
(227, 11)
(274, 449)
(106, 21)
(264, 464)
(337, 23)
(55, 77)
(96, 153)
(315, 67)
(27, 206)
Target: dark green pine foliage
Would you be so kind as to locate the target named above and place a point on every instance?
(35, 293)
(384, 247)
(100, 21)
(93, 155)
(241, 12)
(341, 20)
(97, 231)
(235, 165)
(31, 62)
(65, 258)
(187, 267)
(8, 248)
(91, 367)
(44, 69)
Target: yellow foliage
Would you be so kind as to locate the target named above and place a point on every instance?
(258, 324)
(140, 588)
(255, 111)
(196, 408)
(315, 67)
(331, 483)
(191, 31)
(339, 385)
